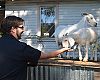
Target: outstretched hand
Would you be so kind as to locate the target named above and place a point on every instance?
(68, 49)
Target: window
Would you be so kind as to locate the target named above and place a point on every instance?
(47, 19)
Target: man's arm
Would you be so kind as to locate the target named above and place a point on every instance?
(54, 53)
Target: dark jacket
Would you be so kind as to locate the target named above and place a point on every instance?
(14, 56)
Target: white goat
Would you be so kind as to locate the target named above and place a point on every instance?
(87, 21)
(84, 37)
(83, 25)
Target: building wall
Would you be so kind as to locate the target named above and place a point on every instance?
(66, 12)
(27, 12)
(70, 13)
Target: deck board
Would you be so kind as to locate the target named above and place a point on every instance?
(61, 62)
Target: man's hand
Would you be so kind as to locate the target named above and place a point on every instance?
(68, 49)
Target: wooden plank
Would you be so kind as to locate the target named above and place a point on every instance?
(61, 62)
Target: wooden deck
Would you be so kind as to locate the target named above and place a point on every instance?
(62, 62)
(58, 65)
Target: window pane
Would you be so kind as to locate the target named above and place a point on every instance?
(47, 21)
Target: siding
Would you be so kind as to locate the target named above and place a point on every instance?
(71, 13)
(27, 12)
(60, 73)
(67, 13)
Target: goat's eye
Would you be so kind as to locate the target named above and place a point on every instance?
(91, 17)
(66, 40)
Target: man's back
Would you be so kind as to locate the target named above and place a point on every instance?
(12, 61)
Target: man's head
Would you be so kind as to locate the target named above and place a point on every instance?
(12, 25)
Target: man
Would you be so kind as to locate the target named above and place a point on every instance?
(14, 55)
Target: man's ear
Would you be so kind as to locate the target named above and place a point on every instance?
(13, 29)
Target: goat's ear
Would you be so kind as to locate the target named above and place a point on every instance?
(84, 14)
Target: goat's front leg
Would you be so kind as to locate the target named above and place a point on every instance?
(80, 54)
(86, 53)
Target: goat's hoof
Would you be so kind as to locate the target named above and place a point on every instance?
(85, 60)
(80, 59)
